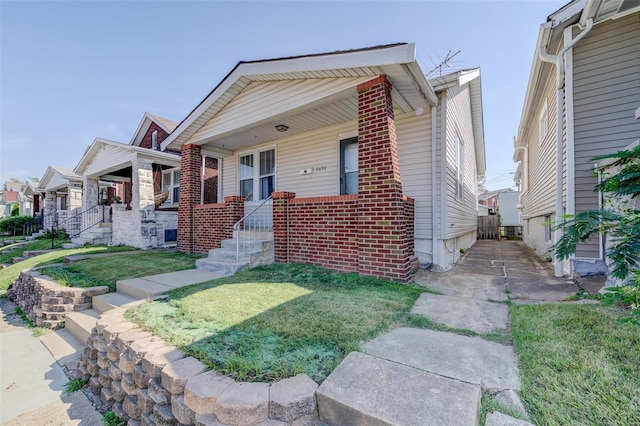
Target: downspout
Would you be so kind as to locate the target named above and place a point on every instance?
(558, 60)
(434, 186)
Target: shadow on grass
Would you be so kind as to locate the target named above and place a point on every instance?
(277, 321)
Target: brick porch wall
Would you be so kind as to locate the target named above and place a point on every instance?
(322, 230)
(213, 223)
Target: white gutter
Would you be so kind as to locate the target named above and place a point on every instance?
(558, 60)
(434, 186)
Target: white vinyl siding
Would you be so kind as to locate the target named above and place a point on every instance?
(108, 159)
(539, 197)
(606, 74)
(414, 151)
(263, 100)
(460, 212)
(319, 151)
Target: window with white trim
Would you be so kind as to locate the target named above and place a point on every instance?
(459, 167)
(171, 186)
(543, 123)
(257, 179)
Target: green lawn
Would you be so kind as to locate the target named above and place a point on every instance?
(10, 274)
(108, 270)
(38, 244)
(277, 321)
(578, 365)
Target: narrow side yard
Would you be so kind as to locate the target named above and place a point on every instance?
(578, 365)
(277, 321)
(108, 270)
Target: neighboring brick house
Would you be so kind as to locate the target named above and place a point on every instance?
(143, 177)
(593, 91)
(371, 166)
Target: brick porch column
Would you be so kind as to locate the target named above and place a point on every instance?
(190, 169)
(234, 205)
(383, 247)
(280, 225)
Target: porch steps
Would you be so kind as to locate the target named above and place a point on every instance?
(223, 259)
(100, 234)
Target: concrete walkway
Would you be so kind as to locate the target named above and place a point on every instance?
(31, 369)
(407, 376)
(31, 381)
(412, 376)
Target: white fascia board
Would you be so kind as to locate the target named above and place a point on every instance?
(536, 68)
(567, 12)
(145, 117)
(403, 54)
(638, 113)
(465, 77)
(48, 175)
(424, 86)
(394, 55)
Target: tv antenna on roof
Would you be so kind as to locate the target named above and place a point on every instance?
(444, 63)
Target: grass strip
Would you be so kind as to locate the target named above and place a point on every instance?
(37, 244)
(108, 270)
(9, 274)
(578, 365)
(277, 321)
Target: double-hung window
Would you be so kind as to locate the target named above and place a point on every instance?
(257, 181)
(171, 186)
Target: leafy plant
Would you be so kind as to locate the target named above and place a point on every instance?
(110, 419)
(74, 385)
(627, 296)
(620, 224)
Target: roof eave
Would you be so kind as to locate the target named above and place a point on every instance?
(402, 54)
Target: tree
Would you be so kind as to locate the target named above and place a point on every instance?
(619, 222)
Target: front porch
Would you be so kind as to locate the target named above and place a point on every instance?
(367, 227)
(136, 186)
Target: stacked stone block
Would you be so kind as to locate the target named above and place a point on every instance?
(146, 382)
(47, 302)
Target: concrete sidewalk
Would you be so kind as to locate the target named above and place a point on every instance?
(32, 382)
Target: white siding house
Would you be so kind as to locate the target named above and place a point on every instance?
(437, 123)
(596, 85)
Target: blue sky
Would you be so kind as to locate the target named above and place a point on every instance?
(76, 70)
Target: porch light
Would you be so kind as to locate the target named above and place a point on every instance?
(281, 127)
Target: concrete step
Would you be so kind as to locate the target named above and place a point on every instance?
(226, 253)
(71, 245)
(246, 245)
(366, 390)
(155, 285)
(81, 323)
(18, 259)
(105, 302)
(65, 347)
(223, 266)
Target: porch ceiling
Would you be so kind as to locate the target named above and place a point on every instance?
(324, 113)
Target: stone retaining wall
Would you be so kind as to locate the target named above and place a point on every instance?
(47, 302)
(146, 382)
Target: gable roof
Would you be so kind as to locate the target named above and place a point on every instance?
(120, 148)
(11, 196)
(56, 177)
(148, 118)
(397, 61)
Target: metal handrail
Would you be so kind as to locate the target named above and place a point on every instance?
(84, 220)
(262, 222)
